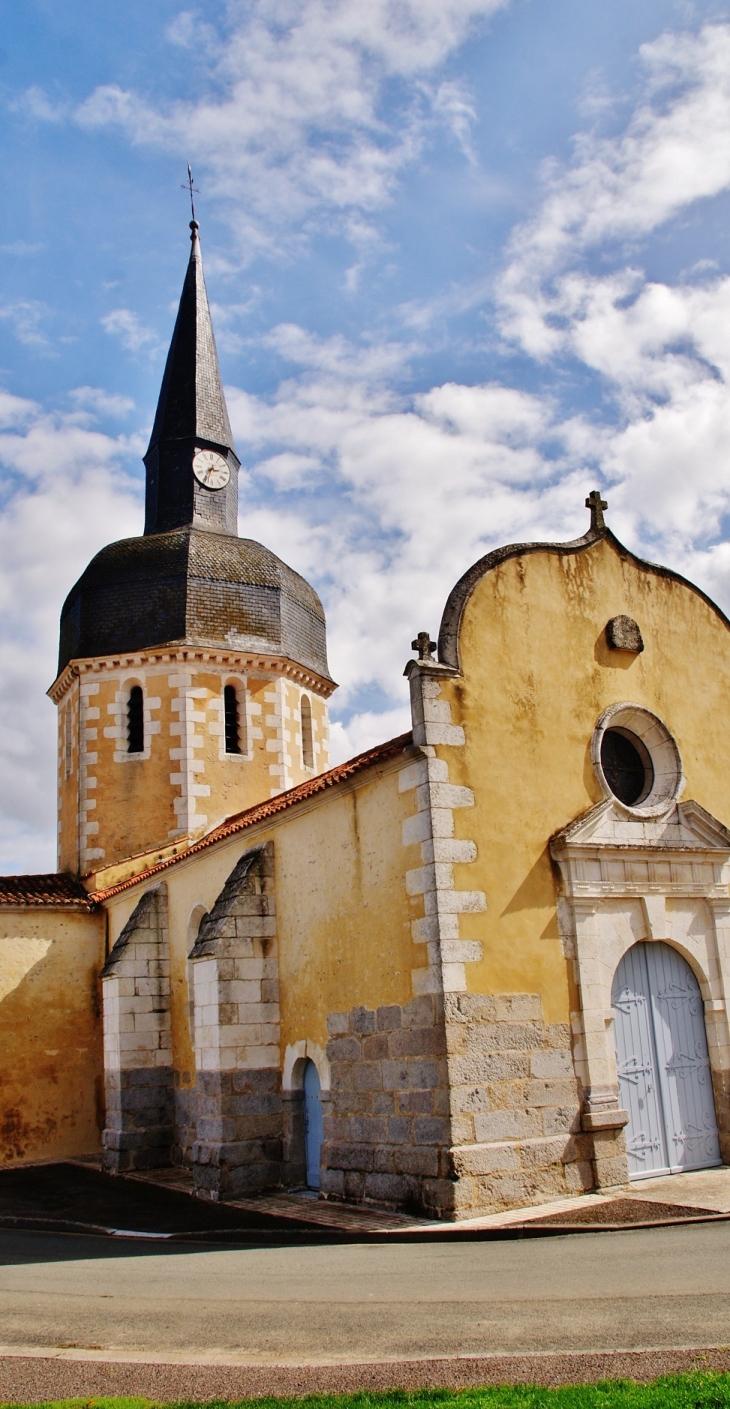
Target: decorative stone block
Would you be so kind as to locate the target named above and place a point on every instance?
(623, 634)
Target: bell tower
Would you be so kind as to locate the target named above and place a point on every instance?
(192, 676)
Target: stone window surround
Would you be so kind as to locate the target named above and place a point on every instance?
(668, 782)
(118, 712)
(217, 727)
(595, 967)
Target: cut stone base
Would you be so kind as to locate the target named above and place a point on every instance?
(239, 1145)
(139, 1129)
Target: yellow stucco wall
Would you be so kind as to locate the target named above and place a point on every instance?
(114, 805)
(343, 914)
(51, 1072)
(537, 673)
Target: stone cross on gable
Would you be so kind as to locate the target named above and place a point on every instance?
(596, 504)
(424, 645)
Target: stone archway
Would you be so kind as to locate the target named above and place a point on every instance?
(628, 879)
(299, 1059)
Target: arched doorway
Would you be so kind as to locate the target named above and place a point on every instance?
(664, 1074)
(313, 1128)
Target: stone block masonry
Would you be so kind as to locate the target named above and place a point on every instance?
(453, 1105)
(236, 1003)
(387, 1126)
(515, 1105)
(139, 1127)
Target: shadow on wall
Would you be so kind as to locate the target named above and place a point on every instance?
(18, 956)
(50, 1022)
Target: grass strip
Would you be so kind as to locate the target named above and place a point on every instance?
(693, 1391)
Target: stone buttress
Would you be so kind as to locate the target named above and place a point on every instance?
(139, 1127)
(236, 1038)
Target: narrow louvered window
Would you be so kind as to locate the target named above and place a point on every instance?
(232, 721)
(68, 740)
(135, 720)
(307, 742)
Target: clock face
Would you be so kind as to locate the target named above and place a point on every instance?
(210, 469)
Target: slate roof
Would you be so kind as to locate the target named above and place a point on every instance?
(57, 889)
(240, 821)
(192, 587)
(191, 403)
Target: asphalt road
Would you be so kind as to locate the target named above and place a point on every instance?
(663, 1287)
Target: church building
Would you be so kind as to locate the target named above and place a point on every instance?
(481, 966)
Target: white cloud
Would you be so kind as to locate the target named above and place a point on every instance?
(63, 488)
(368, 363)
(124, 324)
(674, 151)
(25, 317)
(365, 731)
(573, 288)
(97, 402)
(296, 120)
(188, 31)
(35, 103)
(454, 105)
(400, 494)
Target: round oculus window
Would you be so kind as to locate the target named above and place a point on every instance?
(636, 759)
(627, 766)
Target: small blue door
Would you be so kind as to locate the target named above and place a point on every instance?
(665, 1081)
(313, 1129)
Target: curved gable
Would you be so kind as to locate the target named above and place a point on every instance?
(449, 631)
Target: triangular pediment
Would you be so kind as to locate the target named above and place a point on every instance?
(686, 826)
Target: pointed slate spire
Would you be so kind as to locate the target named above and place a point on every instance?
(191, 415)
(191, 398)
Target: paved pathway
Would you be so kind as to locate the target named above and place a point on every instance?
(321, 1303)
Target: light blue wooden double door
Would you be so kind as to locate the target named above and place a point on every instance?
(664, 1074)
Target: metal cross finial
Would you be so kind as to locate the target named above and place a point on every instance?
(424, 645)
(596, 504)
(188, 186)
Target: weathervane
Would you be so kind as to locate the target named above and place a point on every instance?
(188, 186)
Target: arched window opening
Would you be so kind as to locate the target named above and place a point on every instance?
(307, 742)
(232, 724)
(135, 720)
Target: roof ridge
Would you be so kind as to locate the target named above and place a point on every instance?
(240, 821)
(51, 888)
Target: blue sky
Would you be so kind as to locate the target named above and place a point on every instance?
(467, 258)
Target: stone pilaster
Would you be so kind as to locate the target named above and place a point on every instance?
(432, 826)
(137, 1041)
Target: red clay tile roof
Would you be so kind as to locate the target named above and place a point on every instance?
(54, 890)
(263, 810)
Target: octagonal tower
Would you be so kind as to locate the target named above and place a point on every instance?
(192, 676)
